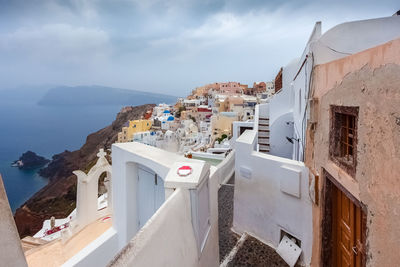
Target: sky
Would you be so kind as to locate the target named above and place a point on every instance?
(162, 46)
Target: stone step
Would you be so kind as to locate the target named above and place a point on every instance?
(263, 147)
(263, 134)
(263, 141)
(263, 127)
(263, 151)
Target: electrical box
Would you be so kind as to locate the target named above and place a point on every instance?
(289, 251)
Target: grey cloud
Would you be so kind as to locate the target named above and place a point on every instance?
(161, 45)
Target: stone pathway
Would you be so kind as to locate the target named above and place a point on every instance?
(255, 253)
(227, 238)
(242, 250)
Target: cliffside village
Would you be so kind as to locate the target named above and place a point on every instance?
(302, 170)
(203, 124)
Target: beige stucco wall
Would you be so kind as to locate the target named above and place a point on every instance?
(10, 246)
(369, 80)
(222, 125)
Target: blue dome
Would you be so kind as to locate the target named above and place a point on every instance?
(167, 111)
(170, 118)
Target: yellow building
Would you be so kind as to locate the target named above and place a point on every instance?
(222, 123)
(133, 127)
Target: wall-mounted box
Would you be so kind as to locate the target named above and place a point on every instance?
(245, 172)
(290, 181)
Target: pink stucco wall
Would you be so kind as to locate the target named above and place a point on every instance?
(369, 80)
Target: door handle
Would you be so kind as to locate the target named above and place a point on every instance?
(355, 250)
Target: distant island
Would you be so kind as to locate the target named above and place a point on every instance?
(100, 95)
(30, 160)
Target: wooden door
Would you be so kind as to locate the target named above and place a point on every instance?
(150, 195)
(347, 231)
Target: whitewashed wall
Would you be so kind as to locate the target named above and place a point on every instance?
(281, 123)
(271, 194)
(126, 158)
(225, 169)
(11, 253)
(168, 238)
(98, 253)
(236, 129)
(338, 42)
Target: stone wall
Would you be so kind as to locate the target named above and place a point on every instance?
(368, 80)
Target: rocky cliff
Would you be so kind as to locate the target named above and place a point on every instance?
(58, 197)
(29, 160)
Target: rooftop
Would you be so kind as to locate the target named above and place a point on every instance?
(56, 252)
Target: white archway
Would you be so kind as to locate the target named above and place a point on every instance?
(87, 208)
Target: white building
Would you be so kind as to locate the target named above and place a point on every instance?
(164, 206)
(289, 108)
(158, 110)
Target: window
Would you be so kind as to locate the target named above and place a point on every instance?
(343, 137)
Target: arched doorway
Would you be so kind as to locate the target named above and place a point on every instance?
(150, 194)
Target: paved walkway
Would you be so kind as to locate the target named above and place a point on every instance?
(56, 253)
(242, 250)
(227, 238)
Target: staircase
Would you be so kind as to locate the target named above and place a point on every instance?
(263, 134)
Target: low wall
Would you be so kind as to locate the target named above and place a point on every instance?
(168, 239)
(208, 155)
(11, 253)
(225, 169)
(236, 125)
(97, 253)
(271, 194)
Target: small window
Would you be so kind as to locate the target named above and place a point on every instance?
(343, 137)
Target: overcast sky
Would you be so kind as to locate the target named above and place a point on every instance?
(161, 45)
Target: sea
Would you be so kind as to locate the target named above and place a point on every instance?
(45, 130)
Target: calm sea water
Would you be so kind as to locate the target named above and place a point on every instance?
(24, 125)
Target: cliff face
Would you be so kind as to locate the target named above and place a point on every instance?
(58, 197)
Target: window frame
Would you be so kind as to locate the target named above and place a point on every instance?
(335, 137)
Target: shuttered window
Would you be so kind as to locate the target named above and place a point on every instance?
(343, 137)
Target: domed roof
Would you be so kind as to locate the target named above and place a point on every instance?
(170, 118)
(166, 111)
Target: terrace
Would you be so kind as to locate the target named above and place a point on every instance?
(195, 213)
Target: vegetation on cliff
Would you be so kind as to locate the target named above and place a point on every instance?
(58, 197)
